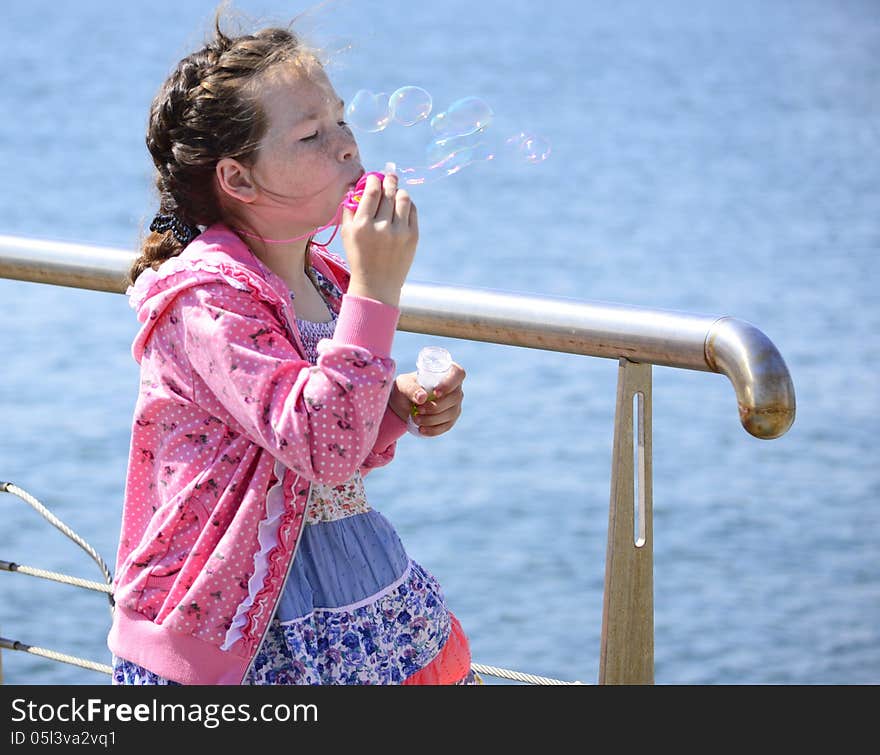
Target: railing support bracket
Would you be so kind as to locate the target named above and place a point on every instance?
(627, 642)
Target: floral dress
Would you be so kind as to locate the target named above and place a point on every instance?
(355, 609)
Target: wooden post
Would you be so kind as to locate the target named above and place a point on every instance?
(627, 644)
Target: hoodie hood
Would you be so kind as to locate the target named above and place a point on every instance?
(218, 255)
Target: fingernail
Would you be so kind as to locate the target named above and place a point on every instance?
(421, 397)
(390, 169)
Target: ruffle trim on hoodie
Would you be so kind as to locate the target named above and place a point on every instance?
(267, 537)
(152, 282)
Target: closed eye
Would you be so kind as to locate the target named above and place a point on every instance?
(309, 138)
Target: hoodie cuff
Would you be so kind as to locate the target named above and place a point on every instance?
(391, 429)
(367, 323)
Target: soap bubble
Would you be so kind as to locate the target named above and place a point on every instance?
(413, 176)
(368, 111)
(453, 162)
(409, 105)
(457, 151)
(464, 116)
(528, 147)
(467, 132)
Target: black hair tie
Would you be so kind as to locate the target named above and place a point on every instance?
(163, 223)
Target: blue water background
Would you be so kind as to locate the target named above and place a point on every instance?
(710, 157)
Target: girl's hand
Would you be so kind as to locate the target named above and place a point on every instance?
(434, 414)
(380, 240)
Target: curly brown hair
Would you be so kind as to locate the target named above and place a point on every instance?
(206, 110)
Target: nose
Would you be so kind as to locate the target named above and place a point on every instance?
(348, 148)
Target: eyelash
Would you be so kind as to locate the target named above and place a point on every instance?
(315, 135)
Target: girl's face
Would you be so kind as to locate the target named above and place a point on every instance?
(308, 158)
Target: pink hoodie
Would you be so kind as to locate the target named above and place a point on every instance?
(230, 427)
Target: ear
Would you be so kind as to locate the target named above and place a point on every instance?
(236, 180)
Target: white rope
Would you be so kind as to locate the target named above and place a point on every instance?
(10, 487)
(55, 576)
(516, 675)
(55, 656)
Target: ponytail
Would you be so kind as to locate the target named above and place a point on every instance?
(155, 249)
(169, 236)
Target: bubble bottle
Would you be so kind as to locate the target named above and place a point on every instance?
(432, 364)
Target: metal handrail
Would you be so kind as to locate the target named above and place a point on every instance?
(637, 337)
(726, 345)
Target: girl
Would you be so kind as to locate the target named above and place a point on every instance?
(248, 551)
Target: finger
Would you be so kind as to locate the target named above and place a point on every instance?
(438, 406)
(433, 422)
(389, 192)
(408, 384)
(403, 206)
(451, 381)
(347, 215)
(414, 219)
(370, 199)
(433, 432)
